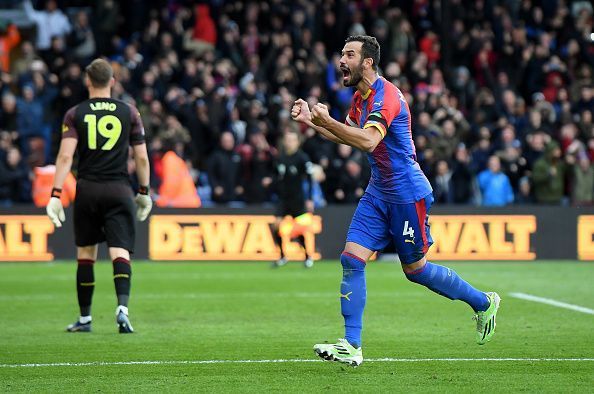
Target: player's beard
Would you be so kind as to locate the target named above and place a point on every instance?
(355, 76)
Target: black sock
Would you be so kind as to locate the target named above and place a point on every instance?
(301, 241)
(85, 284)
(278, 241)
(122, 274)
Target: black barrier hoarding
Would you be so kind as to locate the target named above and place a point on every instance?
(459, 232)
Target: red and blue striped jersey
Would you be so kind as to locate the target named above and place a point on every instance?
(396, 176)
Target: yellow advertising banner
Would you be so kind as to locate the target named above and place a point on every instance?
(478, 237)
(585, 235)
(249, 237)
(223, 237)
(24, 238)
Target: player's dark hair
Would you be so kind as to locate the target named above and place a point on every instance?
(369, 49)
(99, 73)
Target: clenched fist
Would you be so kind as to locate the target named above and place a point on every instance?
(320, 115)
(300, 111)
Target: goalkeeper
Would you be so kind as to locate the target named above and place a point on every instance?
(101, 130)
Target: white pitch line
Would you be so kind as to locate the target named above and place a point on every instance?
(549, 301)
(282, 361)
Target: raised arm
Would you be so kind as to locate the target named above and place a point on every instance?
(31, 12)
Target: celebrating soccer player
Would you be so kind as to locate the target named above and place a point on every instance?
(395, 205)
(101, 130)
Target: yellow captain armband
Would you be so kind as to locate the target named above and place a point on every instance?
(380, 127)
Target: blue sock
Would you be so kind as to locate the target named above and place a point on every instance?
(353, 292)
(446, 282)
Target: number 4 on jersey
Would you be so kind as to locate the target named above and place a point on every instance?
(408, 230)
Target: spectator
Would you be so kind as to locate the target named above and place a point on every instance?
(548, 175)
(22, 64)
(317, 148)
(172, 132)
(177, 189)
(481, 153)
(586, 124)
(464, 87)
(8, 113)
(82, 39)
(336, 165)
(224, 171)
(495, 188)
(536, 147)
(15, 183)
(257, 168)
(30, 115)
(204, 35)
(513, 78)
(351, 184)
(512, 163)
(107, 22)
(462, 178)
(442, 182)
(55, 57)
(445, 144)
(524, 195)
(31, 119)
(50, 23)
(582, 191)
(72, 89)
(9, 38)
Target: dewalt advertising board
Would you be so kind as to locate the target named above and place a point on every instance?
(246, 234)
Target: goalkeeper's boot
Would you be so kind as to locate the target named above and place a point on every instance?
(342, 351)
(308, 263)
(280, 262)
(123, 322)
(485, 320)
(77, 326)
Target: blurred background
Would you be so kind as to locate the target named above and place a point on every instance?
(501, 91)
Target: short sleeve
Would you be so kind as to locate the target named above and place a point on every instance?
(137, 129)
(68, 124)
(351, 118)
(384, 110)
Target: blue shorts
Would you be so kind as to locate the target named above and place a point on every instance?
(376, 222)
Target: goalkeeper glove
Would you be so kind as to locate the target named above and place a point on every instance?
(55, 211)
(144, 204)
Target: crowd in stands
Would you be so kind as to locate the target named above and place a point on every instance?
(501, 91)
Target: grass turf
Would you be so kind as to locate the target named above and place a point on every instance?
(239, 311)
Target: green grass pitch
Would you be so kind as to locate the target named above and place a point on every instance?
(247, 311)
